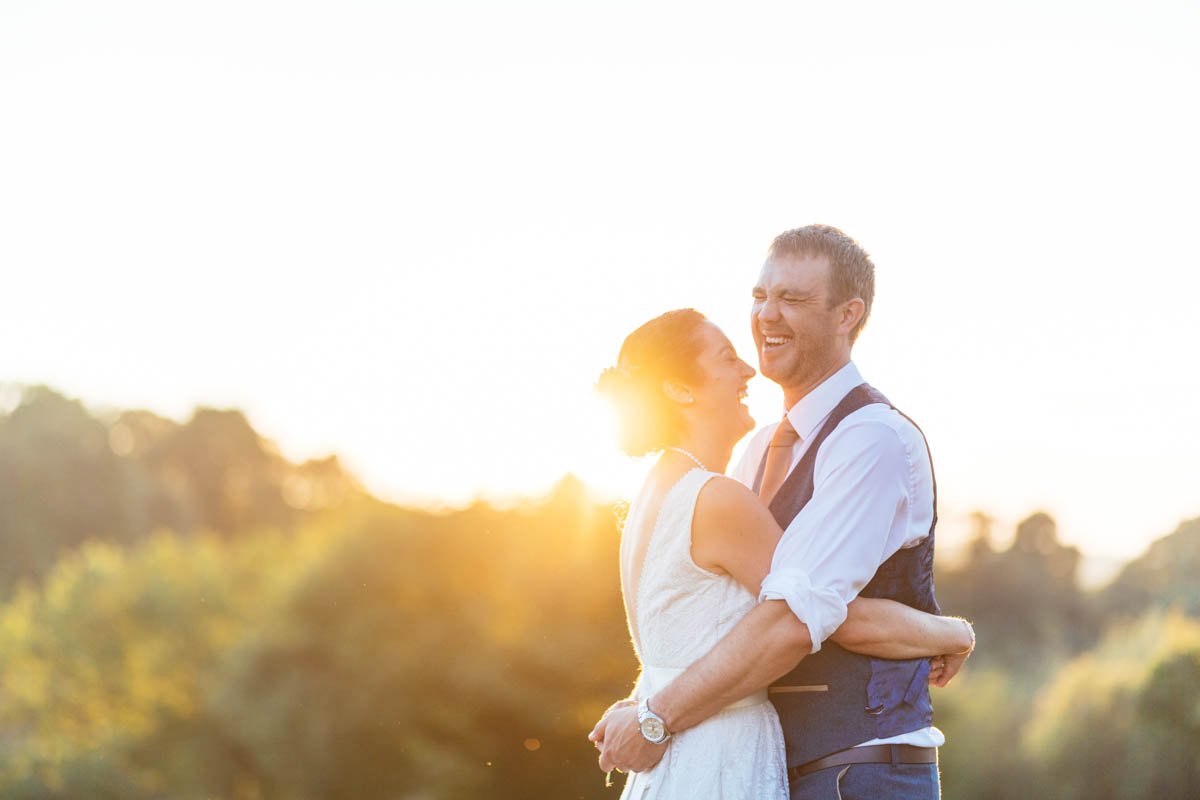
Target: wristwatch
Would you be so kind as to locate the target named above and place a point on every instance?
(654, 730)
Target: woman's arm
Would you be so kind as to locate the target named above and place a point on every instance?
(734, 533)
(887, 629)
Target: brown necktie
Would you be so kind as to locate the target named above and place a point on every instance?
(779, 459)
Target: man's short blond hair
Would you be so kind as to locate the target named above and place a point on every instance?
(851, 273)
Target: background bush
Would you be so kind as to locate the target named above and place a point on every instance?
(186, 614)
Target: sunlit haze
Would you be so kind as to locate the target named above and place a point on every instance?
(413, 234)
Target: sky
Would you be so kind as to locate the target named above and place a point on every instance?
(414, 233)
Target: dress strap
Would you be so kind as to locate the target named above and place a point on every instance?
(675, 517)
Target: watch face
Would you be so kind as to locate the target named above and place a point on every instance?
(653, 729)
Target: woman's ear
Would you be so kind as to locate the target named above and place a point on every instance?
(676, 391)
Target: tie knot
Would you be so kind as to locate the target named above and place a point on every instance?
(785, 435)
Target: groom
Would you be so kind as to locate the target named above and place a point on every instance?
(849, 479)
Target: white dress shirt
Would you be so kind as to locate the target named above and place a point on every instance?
(872, 495)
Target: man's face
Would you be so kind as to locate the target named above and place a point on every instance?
(795, 331)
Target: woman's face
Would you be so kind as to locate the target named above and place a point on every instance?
(718, 398)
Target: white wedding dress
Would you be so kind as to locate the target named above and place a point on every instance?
(678, 613)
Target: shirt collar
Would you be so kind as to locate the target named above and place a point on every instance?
(814, 407)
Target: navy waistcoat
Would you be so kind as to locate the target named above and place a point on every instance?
(866, 698)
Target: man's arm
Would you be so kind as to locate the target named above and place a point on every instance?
(765, 645)
(854, 522)
(872, 495)
(887, 629)
(762, 647)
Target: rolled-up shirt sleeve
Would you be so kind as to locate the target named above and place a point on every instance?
(857, 518)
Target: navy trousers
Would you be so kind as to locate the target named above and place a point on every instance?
(870, 782)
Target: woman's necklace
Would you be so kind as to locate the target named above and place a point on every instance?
(683, 452)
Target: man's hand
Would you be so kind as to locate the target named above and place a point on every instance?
(622, 746)
(597, 734)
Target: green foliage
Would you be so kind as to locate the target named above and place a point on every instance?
(982, 713)
(67, 476)
(1124, 720)
(1023, 600)
(378, 654)
(1165, 575)
(295, 638)
(105, 671)
(60, 483)
(425, 651)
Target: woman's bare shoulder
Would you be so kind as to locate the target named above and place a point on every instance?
(723, 501)
(733, 532)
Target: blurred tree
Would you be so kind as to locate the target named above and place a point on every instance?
(1023, 600)
(1124, 721)
(221, 475)
(469, 652)
(105, 671)
(67, 476)
(980, 545)
(321, 643)
(60, 483)
(1165, 575)
(983, 713)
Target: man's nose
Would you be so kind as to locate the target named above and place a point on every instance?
(768, 310)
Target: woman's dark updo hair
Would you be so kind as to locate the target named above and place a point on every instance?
(663, 349)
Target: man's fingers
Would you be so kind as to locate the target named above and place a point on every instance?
(597, 733)
(622, 747)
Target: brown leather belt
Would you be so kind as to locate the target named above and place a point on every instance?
(874, 754)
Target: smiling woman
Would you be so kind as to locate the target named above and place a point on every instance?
(679, 387)
(662, 352)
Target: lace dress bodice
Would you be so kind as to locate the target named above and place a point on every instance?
(678, 612)
(682, 609)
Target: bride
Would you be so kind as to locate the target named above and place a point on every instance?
(694, 550)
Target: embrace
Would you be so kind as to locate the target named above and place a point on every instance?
(784, 617)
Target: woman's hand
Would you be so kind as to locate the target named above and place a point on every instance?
(943, 668)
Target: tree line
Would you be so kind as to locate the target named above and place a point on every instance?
(186, 614)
